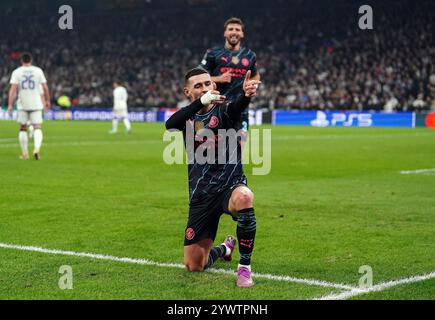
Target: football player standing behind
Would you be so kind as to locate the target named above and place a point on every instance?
(26, 81)
(30, 128)
(120, 97)
(229, 64)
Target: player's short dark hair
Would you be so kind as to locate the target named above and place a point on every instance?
(118, 82)
(194, 72)
(26, 57)
(234, 20)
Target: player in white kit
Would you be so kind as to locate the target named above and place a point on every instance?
(26, 82)
(120, 97)
(30, 128)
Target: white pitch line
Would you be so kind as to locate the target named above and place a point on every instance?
(84, 143)
(348, 136)
(171, 265)
(376, 288)
(15, 139)
(417, 171)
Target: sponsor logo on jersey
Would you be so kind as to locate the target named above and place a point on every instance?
(235, 72)
(224, 59)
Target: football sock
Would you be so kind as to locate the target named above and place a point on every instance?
(215, 253)
(127, 124)
(244, 266)
(115, 125)
(22, 138)
(37, 139)
(246, 228)
(30, 130)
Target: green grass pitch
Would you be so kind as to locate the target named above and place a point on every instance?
(334, 201)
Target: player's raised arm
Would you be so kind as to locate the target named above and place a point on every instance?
(250, 85)
(242, 102)
(256, 76)
(179, 118)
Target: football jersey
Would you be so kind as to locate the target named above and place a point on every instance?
(29, 80)
(208, 179)
(219, 60)
(120, 97)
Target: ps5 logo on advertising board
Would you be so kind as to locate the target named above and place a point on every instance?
(342, 119)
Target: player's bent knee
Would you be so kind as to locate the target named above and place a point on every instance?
(243, 199)
(193, 267)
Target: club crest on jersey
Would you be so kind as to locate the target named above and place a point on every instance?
(235, 60)
(214, 121)
(199, 125)
(245, 62)
(190, 234)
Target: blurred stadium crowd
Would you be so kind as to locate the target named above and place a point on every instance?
(310, 55)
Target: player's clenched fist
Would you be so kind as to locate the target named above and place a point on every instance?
(212, 96)
(250, 86)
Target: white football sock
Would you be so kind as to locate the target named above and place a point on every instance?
(30, 130)
(22, 138)
(127, 124)
(227, 249)
(115, 125)
(37, 139)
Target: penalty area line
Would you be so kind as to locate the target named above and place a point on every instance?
(148, 262)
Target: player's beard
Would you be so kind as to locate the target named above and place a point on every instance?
(233, 42)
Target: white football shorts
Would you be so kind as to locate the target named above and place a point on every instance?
(120, 113)
(35, 117)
